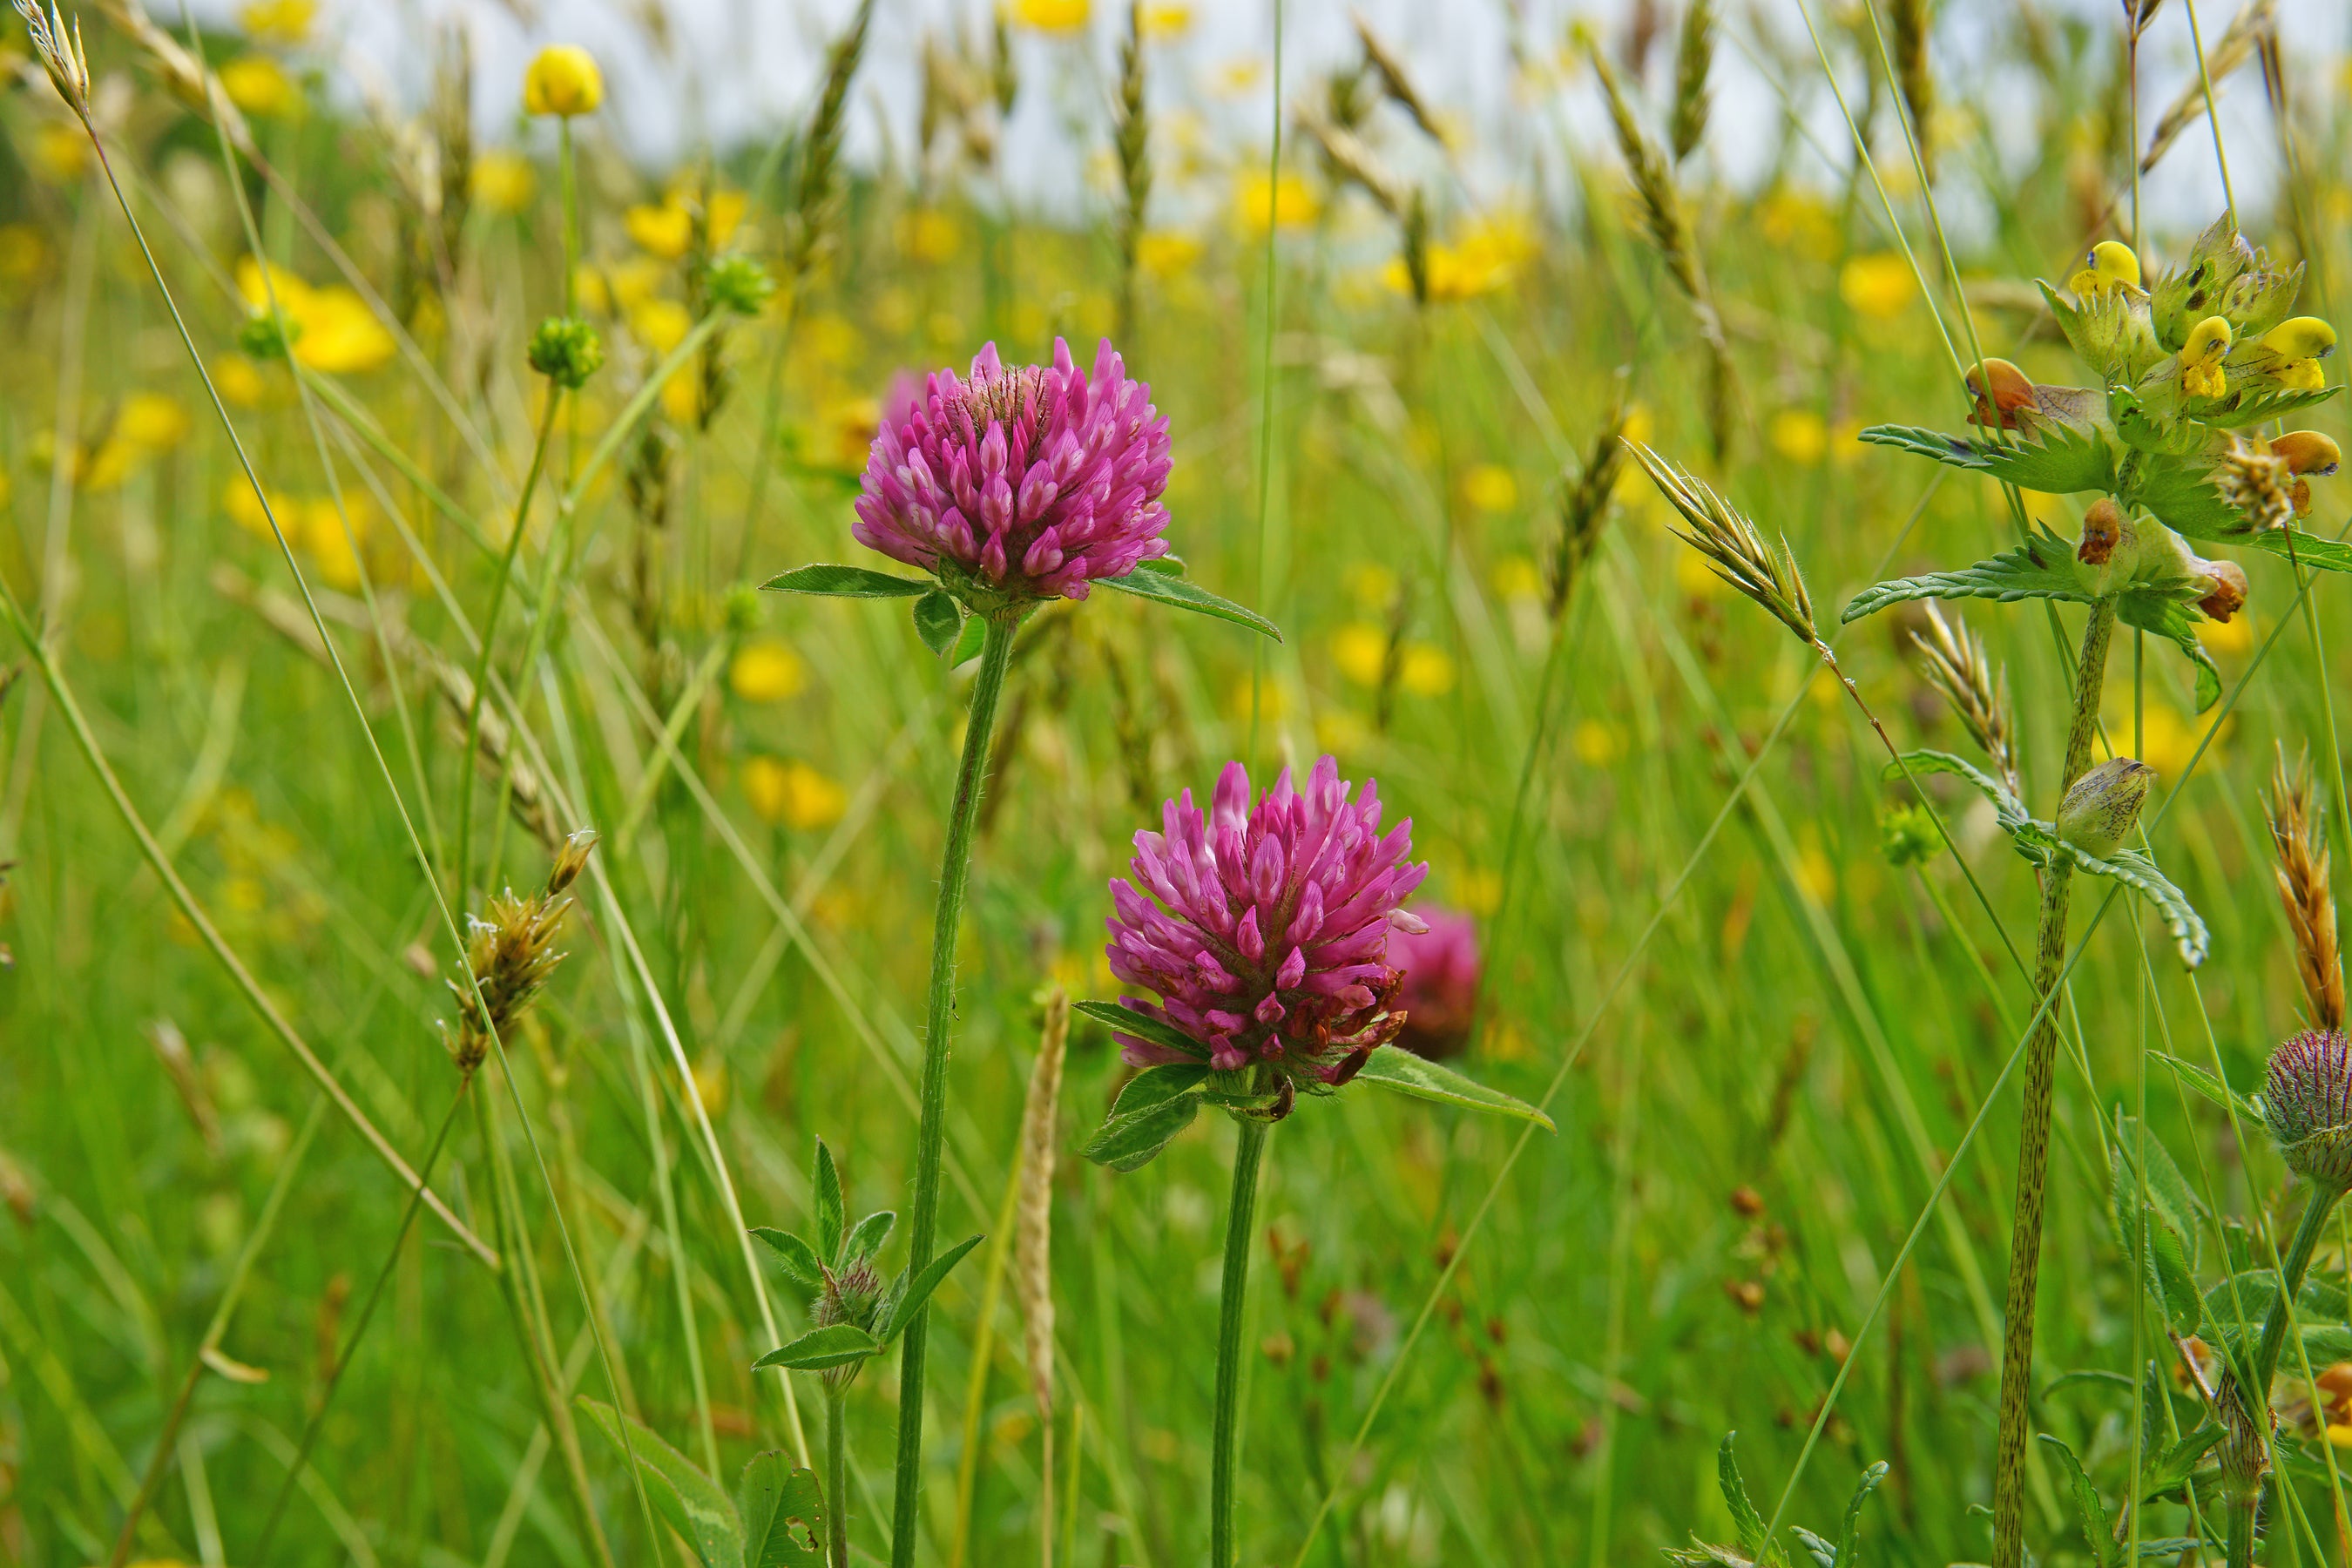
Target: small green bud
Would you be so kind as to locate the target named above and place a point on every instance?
(1907, 836)
(744, 609)
(737, 284)
(261, 338)
(2104, 805)
(2308, 1104)
(567, 351)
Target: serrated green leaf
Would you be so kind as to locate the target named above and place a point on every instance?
(938, 619)
(2169, 616)
(835, 1344)
(1133, 1141)
(1186, 594)
(2294, 544)
(1745, 1519)
(1849, 1546)
(1400, 1071)
(2053, 458)
(1155, 1031)
(2042, 569)
(871, 1232)
(783, 1510)
(1822, 1552)
(2253, 407)
(2006, 806)
(2177, 1463)
(2245, 1300)
(2088, 1510)
(687, 1501)
(846, 582)
(794, 1258)
(919, 1290)
(2135, 870)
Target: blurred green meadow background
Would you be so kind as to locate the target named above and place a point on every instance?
(1387, 383)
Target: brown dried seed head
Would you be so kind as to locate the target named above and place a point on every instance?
(2230, 590)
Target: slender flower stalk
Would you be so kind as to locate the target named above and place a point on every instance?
(1225, 1439)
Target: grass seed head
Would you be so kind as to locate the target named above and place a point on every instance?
(61, 54)
(1694, 60)
(509, 956)
(2299, 841)
(1732, 547)
(1957, 667)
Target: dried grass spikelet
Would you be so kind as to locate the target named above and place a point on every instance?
(61, 54)
(1694, 60)
(509, 956)
(1977, 692)
(1913, 27)
(2236, 46)
(1033, 1278)
(2299, 838)
(1585, 505)
(1132, 135)
(181, 70)
(187, 1081)
(816, 197)
(1732, 547)
(1389, 67)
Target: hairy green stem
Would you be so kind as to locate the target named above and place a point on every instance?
(2292, 1269)
(2033, 1139)
(836, 1478)
(930, 1139)
(1248, 1155)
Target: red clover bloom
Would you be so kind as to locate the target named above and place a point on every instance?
(1022, 483)
(1269, 940)
(1440, 994)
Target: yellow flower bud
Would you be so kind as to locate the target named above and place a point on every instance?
(2307, 452)
(562, 80)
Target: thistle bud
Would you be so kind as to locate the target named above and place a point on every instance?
(563, 81)
(2230, 590)
(739, 284)
(2308, 1106)
(2104, 805)
(567, 351)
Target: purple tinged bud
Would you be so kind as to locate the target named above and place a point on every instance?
(2308, 1102)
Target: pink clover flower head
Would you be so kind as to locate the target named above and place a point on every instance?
(1440, 994)
(1264, 928)
(1021, 483)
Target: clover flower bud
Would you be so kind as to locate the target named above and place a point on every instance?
(567, 351)
(2307, 1103)
(849, 1295)
(2257, 483)
(563, 81)
(265, 338)
(2103, 529)
(2230, 590)
(1439, 997)
(2201, 358)
(739, 284)
(2104, 805)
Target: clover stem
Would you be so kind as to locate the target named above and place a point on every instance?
(2033, 1139)
(836, 1478)
(1226, 1442)
(955, 874)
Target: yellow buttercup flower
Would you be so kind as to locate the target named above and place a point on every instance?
(1878, 285)
(665, 231)
(259, 85)
(1489, 487)
(929, 235)
(1800, 435)
(239, 381)
(791, 794)
(334, 330)
(1288, 202)
(562, 80)
(502, 182)
(1165, 253)
(660, 324)
(60, 151)
(1360, 649)
(283, 21)
(1053, 16)
(153, 421)
(767, 671)
(1427, 671)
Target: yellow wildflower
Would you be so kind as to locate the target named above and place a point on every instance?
(1489, 487)
(1515, 577)
(791, 794)
(152, 421)
(259, 85)
(929, 235)
(2201, 358)
(502, 182)
(60, 151)
(1166, 19)
(1360, 649)
(1288, 202)
(335, 331)
(1878, 285)
(665, 231)
(1052, 15)
(1428, 671)
(660, 324)
(2111, 264)
(24, 254)
(562, 80)
(1165, 253)
(767, 670)
(1598, 743)
(239, 381)
(282, 22)
(1800, 435)
(1372, 585)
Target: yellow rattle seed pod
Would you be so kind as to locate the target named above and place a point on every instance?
(562, 80)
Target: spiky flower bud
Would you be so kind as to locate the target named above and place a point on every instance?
(563, 81)
(509, 956)
(739, 284)
(2308, 1102)
(571, 860)
(567, 351)
(851, 1295)
(2104, 805)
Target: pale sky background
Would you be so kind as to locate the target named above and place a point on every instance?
(735, 71)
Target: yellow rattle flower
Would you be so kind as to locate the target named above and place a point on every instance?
(2110, 264)
(2201, 358)
(562, 80)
